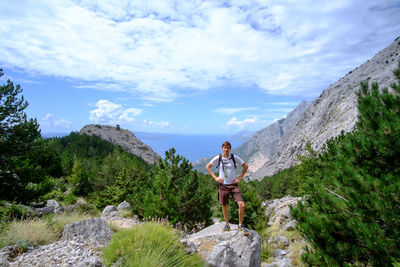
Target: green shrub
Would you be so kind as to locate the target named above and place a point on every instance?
(150, 244)
(9, 212)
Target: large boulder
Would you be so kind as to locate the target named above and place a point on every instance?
(110, 213)
(94, 231)
(124, 206)
(231, 248)
(52, 206)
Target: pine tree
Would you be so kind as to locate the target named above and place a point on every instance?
(26, 161)
(172, 190)
(352, 216)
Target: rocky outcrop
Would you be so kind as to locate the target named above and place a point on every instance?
(111, 215)
(225, 249)
(124, 138)
(94, 231)
(334, 111)
(124, 206)
(78, 246)
(285, 244)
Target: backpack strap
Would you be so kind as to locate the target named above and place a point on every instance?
(233, 159)
(219, 161)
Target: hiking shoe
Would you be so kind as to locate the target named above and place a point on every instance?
(226, 228)
(243, 230)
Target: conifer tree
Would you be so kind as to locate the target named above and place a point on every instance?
(352, 216)
(26, 161)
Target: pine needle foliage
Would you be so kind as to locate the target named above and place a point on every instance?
(352, 216)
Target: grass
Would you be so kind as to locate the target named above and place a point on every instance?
(114, 226)
(32, 231)
(149, 244)
(125, 213)
(37, 231)
(295, 247)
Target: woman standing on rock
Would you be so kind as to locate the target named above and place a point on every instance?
(228, 183)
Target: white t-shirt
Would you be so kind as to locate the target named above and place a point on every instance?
(227, 164)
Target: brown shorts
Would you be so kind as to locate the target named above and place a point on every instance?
(224, 190)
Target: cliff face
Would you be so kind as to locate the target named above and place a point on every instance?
(126, 139)
(263, 145)
(335, 110)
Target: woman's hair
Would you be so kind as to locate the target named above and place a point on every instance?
(226, 143)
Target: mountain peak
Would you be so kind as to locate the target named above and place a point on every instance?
(124, 138)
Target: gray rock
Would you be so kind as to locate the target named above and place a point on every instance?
(94, 230)
(281, 240)
(225, 249)
(90, 262)
(110, 213)
(124, 138)
(6, 254)
(43, 211)
(52, 203)
(124, 206)
(278, 253)
(280, 263)
(290, 226)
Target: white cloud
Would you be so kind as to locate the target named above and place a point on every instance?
(107, 112)
(159, 124)
(233, 110)
(159, 49)
(110, 113)
(284, 103)
(252, 123)
(48, 122)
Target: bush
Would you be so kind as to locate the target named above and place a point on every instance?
(150, 244)
(9, 212)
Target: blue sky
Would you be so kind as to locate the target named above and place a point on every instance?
(194, 67)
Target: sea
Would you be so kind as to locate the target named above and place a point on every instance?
(193, 147)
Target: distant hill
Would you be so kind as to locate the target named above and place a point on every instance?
(243, 135)
(126, 139)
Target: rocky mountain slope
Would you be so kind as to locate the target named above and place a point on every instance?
(264, 144)
(335, 110)
(126, 139)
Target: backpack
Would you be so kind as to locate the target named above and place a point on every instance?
(220, 159)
